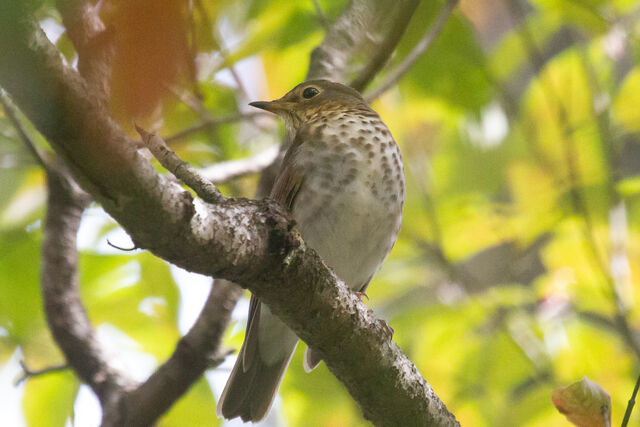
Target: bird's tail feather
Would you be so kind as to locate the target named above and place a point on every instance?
(252, 387)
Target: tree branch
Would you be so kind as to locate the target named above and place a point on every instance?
(384, 51)
(252, 243)
(216, 121)
(28, 373)
(226, 171)
(192, 357)
(396, 74)
(65, 314)
(346, 37)
(180, 169)
(93, 43)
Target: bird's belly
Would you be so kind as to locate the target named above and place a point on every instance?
(352, 229)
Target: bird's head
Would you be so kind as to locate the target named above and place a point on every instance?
(311, 100)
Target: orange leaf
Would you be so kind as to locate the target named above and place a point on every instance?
(585, 404)
(152, 53)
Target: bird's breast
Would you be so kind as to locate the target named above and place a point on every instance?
(349, 208)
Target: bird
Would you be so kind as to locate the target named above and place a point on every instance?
(342, 180)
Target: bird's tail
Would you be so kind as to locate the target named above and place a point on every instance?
(255, 379)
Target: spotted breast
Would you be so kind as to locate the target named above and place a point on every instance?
(349, 208)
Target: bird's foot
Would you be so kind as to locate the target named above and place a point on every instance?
(361, 295)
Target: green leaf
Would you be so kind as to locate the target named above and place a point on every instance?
(196, 408)
(588, 14)
(454, 66)
(136, 294)
(510, 55)
(20, 305)
(276, 25)
(625, 107)
(48, 400)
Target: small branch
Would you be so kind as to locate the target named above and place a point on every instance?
(218, 358)
(12, 115)
(618, 324)
(384, 51)
(197, 351)
(322, 17)
(29, 373)
(114, 246)
(631, 404)
(212, 123)
(231, 169)
(396, 74)
(181, 169)
(189, 99)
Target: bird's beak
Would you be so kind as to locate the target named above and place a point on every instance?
(278, 106)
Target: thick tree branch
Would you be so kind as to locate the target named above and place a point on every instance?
(65, 314)
(252, 243)
(386, 48)
(431, 35)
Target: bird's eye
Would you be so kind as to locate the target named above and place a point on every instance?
(310, 92)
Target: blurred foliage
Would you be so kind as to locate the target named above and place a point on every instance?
(521, 238)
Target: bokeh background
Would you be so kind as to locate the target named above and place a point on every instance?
(516, 271)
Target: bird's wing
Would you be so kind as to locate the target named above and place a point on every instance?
(288, 182)
(291, 176)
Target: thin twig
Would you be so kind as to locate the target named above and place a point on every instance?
(396, 74)
(219, 358)
(190, 100)
(114, 246)
(11, 113)
(322, 17)
(212, 122)
(386, 48)
(181, 169)
(31, 373)
(231, 169)
(630, 405)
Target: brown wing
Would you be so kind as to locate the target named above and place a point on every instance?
(285, 188)
(291, 176)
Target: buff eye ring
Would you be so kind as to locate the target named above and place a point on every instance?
(310, 92)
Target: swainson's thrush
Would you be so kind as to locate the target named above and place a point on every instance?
(342, 179)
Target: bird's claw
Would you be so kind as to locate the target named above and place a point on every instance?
(361, 295)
